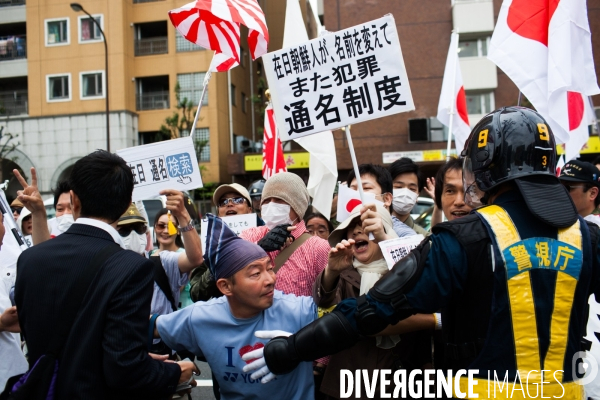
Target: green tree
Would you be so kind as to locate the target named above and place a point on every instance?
(8, 143)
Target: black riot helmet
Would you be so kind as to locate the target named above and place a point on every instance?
(516, 143)
(255, 190)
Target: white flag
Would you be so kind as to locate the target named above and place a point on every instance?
(453, 99)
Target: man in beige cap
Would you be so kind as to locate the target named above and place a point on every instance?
(284, 203)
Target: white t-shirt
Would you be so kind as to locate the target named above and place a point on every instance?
(13, 361)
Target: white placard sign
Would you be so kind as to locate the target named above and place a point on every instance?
(396, 249)
(237, 223)
(338, 79)
(171, 164)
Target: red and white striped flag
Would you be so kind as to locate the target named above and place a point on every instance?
(545, 47)
(270, 145)
(215, 25)
(453, 99)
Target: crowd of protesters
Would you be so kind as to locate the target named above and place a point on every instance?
(157, 304)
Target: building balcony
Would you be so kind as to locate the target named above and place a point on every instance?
(473, 16)
(9, 3)
(13, 103)
(152, 101)
(13, 47)
(145, 47)
(478, 73)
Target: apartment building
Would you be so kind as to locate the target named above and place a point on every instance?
(53, 84)
(424, 28)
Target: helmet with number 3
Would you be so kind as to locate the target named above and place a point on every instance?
(516, 143)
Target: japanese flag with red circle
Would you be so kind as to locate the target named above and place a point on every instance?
(271, 143)
(348, 199)
(453, 99)
(545, 47)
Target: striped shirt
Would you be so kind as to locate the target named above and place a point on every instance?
(300, 271)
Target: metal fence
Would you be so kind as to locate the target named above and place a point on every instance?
(13, 47)
(13, 103)
(8, 3)
(157, 45)
(152, 101)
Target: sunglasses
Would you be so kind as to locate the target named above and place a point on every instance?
(232, 200)
(17, 209)
(125, 230)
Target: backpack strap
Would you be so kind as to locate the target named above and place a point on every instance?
(66, 318)
(161, 279)
(286, 253)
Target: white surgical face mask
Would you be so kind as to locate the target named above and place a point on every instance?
(64, 222)
(275, 214)
(135, 242)
(404, 200)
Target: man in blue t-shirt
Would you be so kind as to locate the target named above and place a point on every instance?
(222, 330)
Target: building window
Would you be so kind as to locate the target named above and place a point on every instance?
(58, 87)
(480, 103)
(242, 56)
(88, 30)
(201, 143)
(190, 87)
(244, 99)
(91, 84)
(57, 32)
(182, 44)
(232, 89)
(473, 47)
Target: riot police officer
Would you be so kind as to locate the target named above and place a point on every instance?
(255, 189)
(513, 277)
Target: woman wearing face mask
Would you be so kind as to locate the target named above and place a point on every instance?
(355, 264)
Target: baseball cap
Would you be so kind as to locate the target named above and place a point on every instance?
(232, 187)
(580, 171)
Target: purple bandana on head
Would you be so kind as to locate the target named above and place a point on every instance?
(226, 253)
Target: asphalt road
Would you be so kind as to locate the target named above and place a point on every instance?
(204, 390)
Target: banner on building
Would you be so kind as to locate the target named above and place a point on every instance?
(171, 164)
(237, 223)
(396, 249)
(339, 79)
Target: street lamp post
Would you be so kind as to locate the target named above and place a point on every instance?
(77, 8)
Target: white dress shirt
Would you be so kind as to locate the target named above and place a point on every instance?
(104, 226)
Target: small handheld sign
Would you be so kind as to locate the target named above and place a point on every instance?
(171, 164)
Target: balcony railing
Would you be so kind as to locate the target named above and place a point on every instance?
(157, 45)
(13, 47)
(8, 3)
(144, 1)
(13, 103)
(152, 101)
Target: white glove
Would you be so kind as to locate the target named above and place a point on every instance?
(259, 365)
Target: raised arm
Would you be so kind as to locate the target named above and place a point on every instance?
(32, 200)
(192, 257)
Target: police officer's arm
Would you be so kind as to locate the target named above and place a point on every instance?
(423, 281)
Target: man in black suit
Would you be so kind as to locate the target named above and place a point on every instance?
(105, 355)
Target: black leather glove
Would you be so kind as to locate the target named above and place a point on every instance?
(276, 238)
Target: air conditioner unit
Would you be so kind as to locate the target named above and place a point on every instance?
(418, 130)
